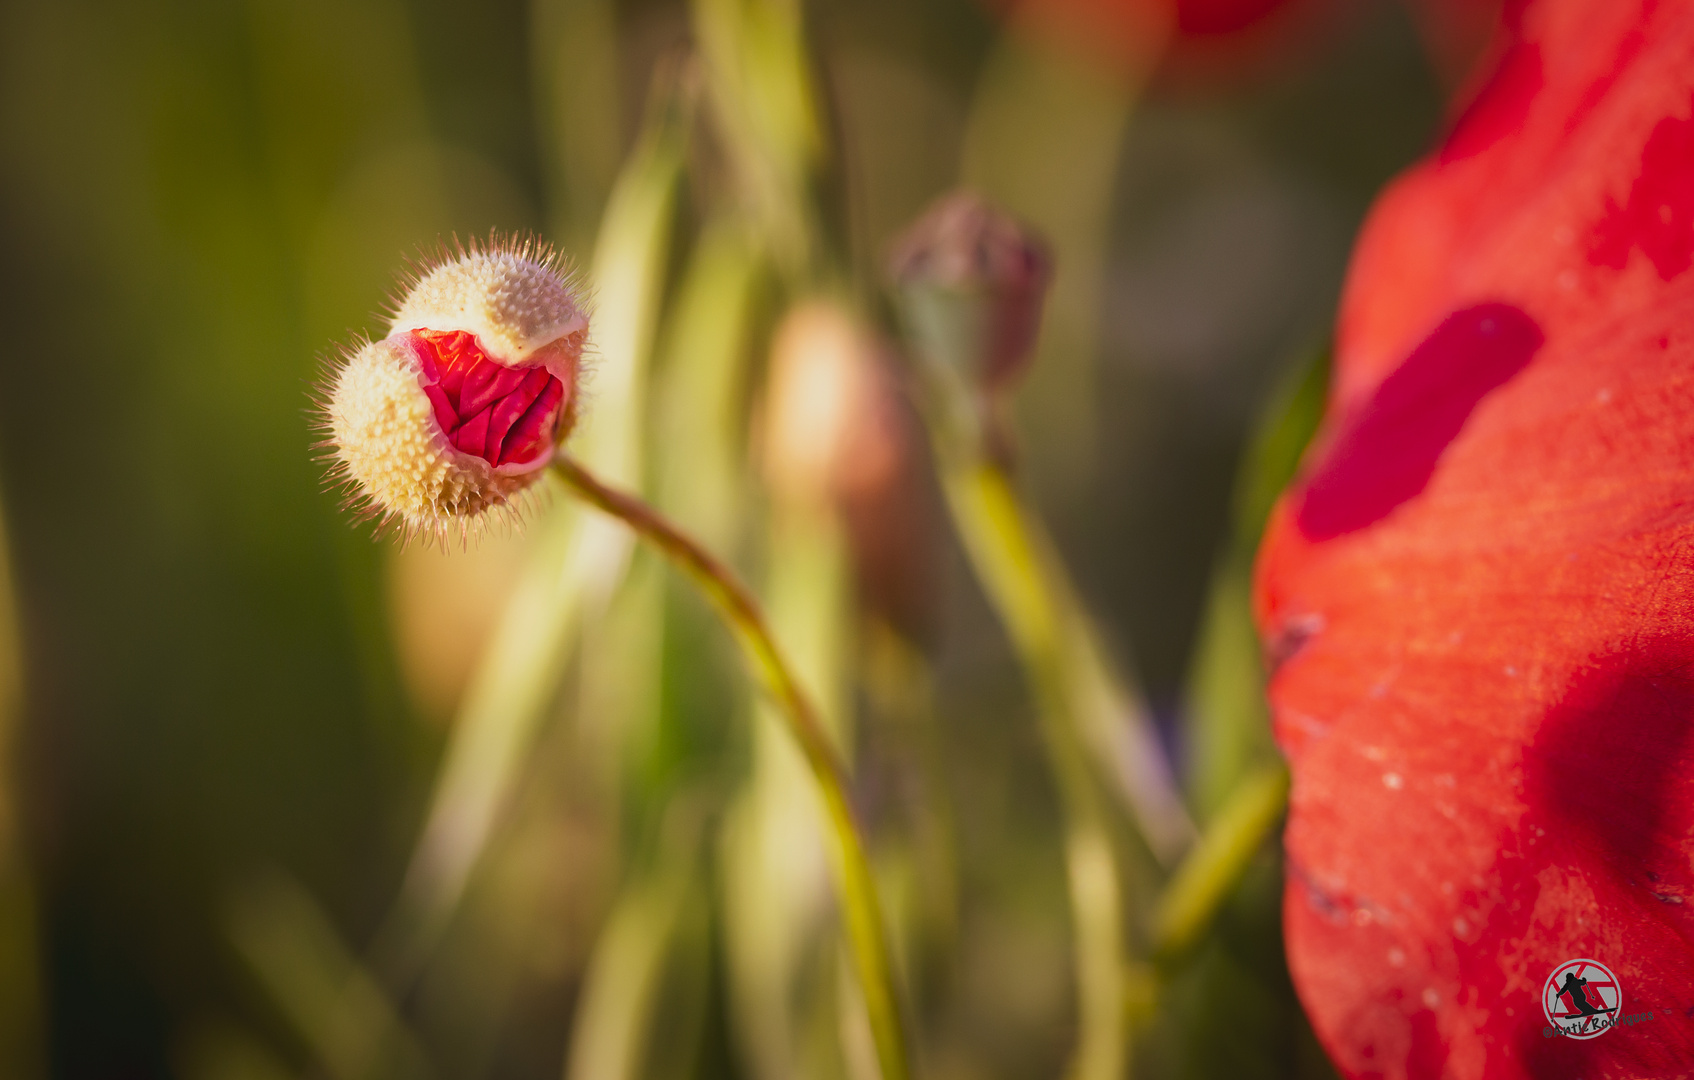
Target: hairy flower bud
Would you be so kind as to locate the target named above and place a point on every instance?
(458, 409)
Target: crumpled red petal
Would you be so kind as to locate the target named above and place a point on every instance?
(1479, 599)
(502, 414)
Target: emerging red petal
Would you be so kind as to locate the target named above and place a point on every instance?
(504, 415)
(1480, 596)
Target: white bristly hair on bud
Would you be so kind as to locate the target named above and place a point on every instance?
(393, 455)
(516, 295)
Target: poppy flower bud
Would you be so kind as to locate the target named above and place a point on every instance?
(838, 430)
(458, 409)
(815, 399)
(971, 281)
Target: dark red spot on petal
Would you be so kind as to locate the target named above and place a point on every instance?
(1387, 450)
(501, 414)
(1659, 216)
(1607, 793)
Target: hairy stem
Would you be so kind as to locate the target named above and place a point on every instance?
(741, 613)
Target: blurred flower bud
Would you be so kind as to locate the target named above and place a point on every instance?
(459, 408)
(886, 493)
(971, 281)
(840, 431)
(816, 388)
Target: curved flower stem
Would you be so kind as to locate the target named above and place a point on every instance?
(741, 612)
(1067, 664)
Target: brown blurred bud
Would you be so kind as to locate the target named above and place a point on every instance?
(970, 281)
(840, 433)
(816, 386)
(886, 491)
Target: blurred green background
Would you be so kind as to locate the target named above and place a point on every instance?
(233, 702)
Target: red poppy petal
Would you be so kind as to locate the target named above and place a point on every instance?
(1481, 595)
(445, 414)
(477, 390)
(472, 436)
(499, 413)
(533, 432)
(487, 383)
(510, 409)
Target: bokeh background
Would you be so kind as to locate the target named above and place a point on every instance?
(227, 704)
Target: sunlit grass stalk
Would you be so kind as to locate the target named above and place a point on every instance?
(767, 105)
(575, 55)
(741, 614)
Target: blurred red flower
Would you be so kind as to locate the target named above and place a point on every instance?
(1204, 42)
(1190, 41)
(1478, 602)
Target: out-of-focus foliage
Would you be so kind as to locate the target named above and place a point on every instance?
(236, 707)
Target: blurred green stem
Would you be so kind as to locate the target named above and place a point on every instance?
(621, 985)
(1068, 666)
(1228, 721)
(332, 1001)
(767, 105)
(1044, 138)
(1210, 873)
(21, 1035)
(741, 612)
(774, 923)
(1008, 559)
